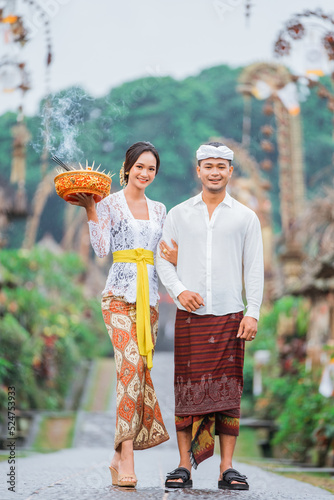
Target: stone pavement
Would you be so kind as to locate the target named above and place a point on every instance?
(82, 472)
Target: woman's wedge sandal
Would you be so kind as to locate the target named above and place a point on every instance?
(123, 481)
(233, 475)
(179, 473)
(114, 475)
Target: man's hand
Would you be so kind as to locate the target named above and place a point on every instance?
(190, 300)
(248, 328)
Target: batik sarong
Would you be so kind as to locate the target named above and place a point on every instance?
(138, 415)
(203, 431)
(208, 379)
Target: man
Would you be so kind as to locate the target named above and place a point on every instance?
(219, 247)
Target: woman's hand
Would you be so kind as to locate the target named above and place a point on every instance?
(87, 201)
(82, 200)
(168, 253)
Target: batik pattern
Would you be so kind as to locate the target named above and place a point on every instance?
(203, 431)
(138, 415)
(208, 363)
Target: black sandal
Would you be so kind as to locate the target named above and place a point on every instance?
(233, 475)
(179, 473)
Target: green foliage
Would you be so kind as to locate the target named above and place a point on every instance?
(318, 142)
(299, 418)
(176, 116)
(18, 351)
(248, 376)
(291, 397)
(247, 400)
(325, 419)
(276, 389)
(47, 326)
(288, 306)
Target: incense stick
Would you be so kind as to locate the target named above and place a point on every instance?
(61, 163)
(69, 169)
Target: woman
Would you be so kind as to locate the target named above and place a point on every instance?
(130, 225)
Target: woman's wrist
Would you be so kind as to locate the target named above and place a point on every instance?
(91, 214)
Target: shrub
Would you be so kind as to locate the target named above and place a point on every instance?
(299, 418)
(47, 326)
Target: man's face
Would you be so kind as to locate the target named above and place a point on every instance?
(214, 174)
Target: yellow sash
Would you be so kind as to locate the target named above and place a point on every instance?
(141, 257)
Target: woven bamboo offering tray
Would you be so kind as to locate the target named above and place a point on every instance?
(82, 180)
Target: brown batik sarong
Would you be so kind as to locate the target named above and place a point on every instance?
(138, 414)
(208, 379)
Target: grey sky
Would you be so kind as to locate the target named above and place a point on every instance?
(100, 44)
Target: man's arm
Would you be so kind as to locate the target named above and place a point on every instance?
(166, 270)
(253, 278)
(253, 268)
(168, 274)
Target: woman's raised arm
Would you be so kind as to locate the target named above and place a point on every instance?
(99, 221)
(86, 201)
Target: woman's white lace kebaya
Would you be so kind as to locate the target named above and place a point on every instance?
(119, 230)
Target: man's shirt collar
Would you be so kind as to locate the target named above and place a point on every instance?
(226, 201)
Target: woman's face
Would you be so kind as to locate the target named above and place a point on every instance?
(143, 171)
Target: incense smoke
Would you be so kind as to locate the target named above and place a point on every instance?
(62, 116)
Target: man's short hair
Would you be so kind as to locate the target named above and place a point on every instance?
(216, 145)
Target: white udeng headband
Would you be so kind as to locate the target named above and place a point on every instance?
(205, 151)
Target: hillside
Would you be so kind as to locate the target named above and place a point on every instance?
(176, 116)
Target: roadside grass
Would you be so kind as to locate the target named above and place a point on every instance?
(55, 433)
(101, 385)
(248, 451)
(320, 479)
(247, 445)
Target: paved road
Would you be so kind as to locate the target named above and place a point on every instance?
(82, 472)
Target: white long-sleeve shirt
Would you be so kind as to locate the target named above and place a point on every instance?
(214, 256)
